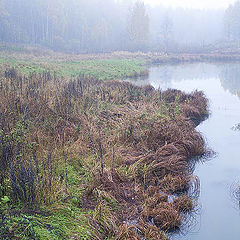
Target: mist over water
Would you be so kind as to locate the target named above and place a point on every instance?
(219, 214)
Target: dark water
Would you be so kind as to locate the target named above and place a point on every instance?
(219, 217)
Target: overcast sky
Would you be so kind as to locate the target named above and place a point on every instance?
(192, 3)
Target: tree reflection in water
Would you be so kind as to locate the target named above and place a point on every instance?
(230, 78)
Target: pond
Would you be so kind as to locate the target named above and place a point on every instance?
(219, 216)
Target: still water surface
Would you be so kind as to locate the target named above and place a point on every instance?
(219, 216)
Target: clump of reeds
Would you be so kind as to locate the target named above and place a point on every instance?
(140, 231)
(162, 212)
(174, 184)
(184, 204)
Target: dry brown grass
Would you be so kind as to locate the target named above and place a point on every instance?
(137, 143)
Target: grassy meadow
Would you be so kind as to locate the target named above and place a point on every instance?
(83, 158)
(101, 69)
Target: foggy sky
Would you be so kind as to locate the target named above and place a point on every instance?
(200, 4)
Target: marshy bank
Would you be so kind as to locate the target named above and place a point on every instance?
(89, 159)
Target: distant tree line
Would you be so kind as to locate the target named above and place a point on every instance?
(74, 25)
(83, 26)
(232, 22)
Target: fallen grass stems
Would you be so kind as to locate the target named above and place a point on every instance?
(105, 159)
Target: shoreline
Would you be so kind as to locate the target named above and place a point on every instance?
(111, 156)
(149, 57)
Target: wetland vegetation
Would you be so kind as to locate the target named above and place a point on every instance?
(84, 158)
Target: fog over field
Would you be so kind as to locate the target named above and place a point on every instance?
(80, 26)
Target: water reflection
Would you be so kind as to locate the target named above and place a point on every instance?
(164, 76)
(230, 78)
(219, 218)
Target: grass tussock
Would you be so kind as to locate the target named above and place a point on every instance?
(109, 152)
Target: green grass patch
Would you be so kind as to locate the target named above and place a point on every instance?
(99, 69)
(63, 222)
